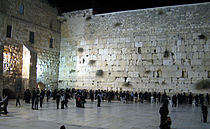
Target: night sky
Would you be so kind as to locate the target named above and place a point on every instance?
(106, 6)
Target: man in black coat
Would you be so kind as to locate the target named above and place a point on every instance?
(99, 99)
(207, 98)
(164, 113)
(5, 102)
(33, 98)
(204, 112)
(174, 101)
(17, 100)
(36, 100)
(58, 100)
(48, 95)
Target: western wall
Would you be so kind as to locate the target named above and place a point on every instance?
(165, 49)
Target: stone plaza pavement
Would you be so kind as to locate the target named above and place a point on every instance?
(113, 115)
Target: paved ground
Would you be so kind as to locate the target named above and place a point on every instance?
(110, 116)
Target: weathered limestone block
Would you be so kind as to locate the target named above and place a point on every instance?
(119, 74)
(138, 44)
(133, 74)
(167, 62)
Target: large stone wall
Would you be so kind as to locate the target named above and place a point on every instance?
(158, 49)
(40, 18)
(1, 68)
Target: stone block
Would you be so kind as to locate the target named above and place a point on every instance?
(167, 62)
(138, 44)
(119, 74)
(133, 74)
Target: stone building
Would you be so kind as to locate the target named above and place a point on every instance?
(158, 49)
(30, 43)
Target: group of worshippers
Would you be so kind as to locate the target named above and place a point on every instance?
(190, 99)
(64, 95)
(80, 96)
(165, 120)
(36, 96)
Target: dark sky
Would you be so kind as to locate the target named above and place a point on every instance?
(106, 6)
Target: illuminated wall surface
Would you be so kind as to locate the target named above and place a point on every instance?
(158, 49)
(26, 63)
(27, 55)
(12, 65)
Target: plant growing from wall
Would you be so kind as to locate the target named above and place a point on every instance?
(160, 12)
(88, 18)
(117, 24)
(80, 50)
(202, 85)
(163, 82)
(166, 54)
(147, 71)
(201, 36)
(99, 73)
(92, 62)
(72, 71)
(139, 50)
(159, 73)
(127, 84)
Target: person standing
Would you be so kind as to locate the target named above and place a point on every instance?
(201, 97)
(204, 113)
(99, 99)
(109, 97)
(41, 100)
(164, 113)
(190, 97)
(57, 100)
(6, 99)
(62, 101)
(158, 96)
(48, 95)
(67, 97)
(33, 98)
(196, 100)
(36, 99)
(17, 100)
(92, 95)
(207, 98)
(62, 127)
(174, 101)
(136, 97)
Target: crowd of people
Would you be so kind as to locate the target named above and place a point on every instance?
(64, 95)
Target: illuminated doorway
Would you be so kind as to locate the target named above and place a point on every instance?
(26, 67)
(16, 69)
